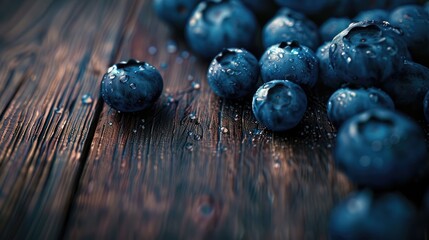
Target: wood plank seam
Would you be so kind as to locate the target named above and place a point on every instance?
(129, 22)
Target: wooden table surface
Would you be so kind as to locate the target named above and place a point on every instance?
(195, 167)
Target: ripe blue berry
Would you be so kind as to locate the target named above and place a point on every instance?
(219, 24)
(289, 61)
(367, 53)
(327, 75)
(373, 14)
(175, 12)
(279, 105)
(363, 216)
(288, 25)
(233, 73)
(374, 149)
(331, 27)
(347, 102)
(408, 87)
(414, 22)
(131, 86)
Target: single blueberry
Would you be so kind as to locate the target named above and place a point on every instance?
(426, 106)
(279, 105)
(408, 87)
(347, 102)
(288, 25)
(373, 14)
(374, 149)
(131, 86)
(289, 61)
(327, 75)
(306, 6)
(175, 12)
(219, 24)
(363, 216)
(233, 73)
(367, 53)
(413, 20)
(331, 27)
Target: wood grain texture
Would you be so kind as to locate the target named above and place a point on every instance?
(193, 167)
(52, 55)
(197, 167)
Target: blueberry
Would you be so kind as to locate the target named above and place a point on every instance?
(347, 102)
(373, 14)
(233, 73)
(414, 22)
(219, 24)
(279, 105)
(288, 25)
(289, 61)
(175, 12)
(381, 149)
(426, 106)
(306, 6)
(408, 87)
(364, 216)
(327, 75)
(367, 53)
(131, 86)
(331, 27)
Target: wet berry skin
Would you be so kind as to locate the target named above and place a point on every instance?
(364, 216)
(426, 106)
(367, 53)
(414, 22)
(219, 24)
(279, 105)
(233, 73)
(372, 14)
(331, 27)
(175, 12)
(288, 25)
(347, 102)
(381, 149)
(408, 87)
(290, 61)
(327, 75)
(131, 86)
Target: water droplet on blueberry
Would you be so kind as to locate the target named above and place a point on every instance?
(123, 78)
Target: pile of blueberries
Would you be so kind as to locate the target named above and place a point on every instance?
(372, 55)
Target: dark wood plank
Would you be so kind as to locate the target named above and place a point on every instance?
(53, 53)
(197, 167)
